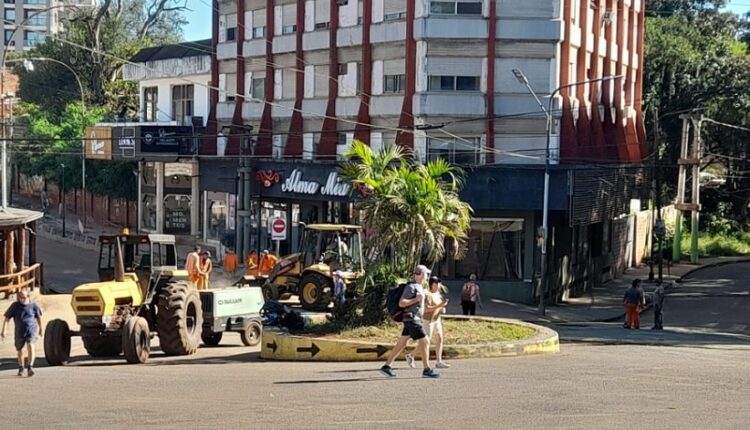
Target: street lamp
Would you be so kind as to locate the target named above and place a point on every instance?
(29, 66)
(63, 198)
(4, 150)
(523, 80)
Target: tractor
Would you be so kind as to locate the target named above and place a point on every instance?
(325, 248)
(140, 293)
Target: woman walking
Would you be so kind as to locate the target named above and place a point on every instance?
(435, 307)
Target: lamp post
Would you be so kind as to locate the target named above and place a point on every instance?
(63, 198)
(522, 79)
(4, 150)
(29, 65)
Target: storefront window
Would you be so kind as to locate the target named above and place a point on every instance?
(220, 217)
(177, 214)
(495, 250)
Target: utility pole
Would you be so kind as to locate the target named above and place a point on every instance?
(690, 155)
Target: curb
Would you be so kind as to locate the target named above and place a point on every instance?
(279, 345)
(72, 242)
(711, 265)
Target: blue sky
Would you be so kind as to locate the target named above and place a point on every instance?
(199, 20)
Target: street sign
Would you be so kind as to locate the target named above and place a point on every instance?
(278, 229)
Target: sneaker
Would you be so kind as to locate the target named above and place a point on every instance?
(429, 373)
(30, 372)
(442, 365)
(387, 371)
(20, 371)
(410, 361)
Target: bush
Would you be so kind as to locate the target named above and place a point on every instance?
(718, 245)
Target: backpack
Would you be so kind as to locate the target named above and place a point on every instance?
(275, 313)
(466, 292)
(395, 311)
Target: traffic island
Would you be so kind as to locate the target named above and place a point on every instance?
(532, 339)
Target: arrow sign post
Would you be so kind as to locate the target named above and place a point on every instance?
(272, 346)
(313, 350)
(378, 350)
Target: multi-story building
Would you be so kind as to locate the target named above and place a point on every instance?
(309, 76)
(33, 20)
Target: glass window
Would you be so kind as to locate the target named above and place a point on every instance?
(44, 2)
(231, 34)
(394, 83)
(32, 38)
(217, 215)
(182, 102)
(495, 250)
(467, 83)
(443, 7)
(34, 17)
(150, 100)
(259, 88)
(322, 25)
(177, 214)
(8, 35)
(288, 29)
(442, 83)
(464, 151)
(148, 219)
(474, 8)
(10, 14)
(259, 32)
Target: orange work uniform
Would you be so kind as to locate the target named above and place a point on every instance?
(251, 265)
(206, 267)
(266, 264)
(192, 264)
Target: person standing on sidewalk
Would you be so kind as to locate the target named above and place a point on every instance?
(470, 296)
(658, 307)
(27, 318)
(412, 301)
(633, 299)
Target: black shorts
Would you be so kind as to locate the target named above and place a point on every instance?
(413, 329)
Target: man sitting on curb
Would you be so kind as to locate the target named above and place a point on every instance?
(412, 300)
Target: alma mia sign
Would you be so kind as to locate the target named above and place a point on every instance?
(332, 186)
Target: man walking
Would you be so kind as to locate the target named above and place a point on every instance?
(27, 317)
(633, 299)
(412, 301)
(658, 307)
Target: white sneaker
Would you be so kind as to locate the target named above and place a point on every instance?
(442, 365)
(410, 361)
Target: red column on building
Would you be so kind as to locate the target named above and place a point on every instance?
(568, 144)
(264, 146)
(362, 131)
(597, 129)
(405, 137)
(491, 54)
(237, 132)
(583, 125)
(208, 146)
(329, 134)
(294, 145)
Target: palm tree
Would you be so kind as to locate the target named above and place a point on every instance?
(408, 208)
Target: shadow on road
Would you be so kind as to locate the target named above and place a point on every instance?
(326, 381)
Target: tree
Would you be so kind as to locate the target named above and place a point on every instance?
(95, 43)
(409, 209)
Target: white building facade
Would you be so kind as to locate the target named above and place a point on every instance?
(32, 21)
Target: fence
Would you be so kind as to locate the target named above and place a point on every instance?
(30, 277)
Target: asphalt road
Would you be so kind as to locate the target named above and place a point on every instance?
(66, 266)
(596, 387)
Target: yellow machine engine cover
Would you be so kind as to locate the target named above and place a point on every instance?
(100, 298)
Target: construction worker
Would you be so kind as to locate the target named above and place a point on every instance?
(192, 265)
(267, 261)
(251, 264)
(206, 267)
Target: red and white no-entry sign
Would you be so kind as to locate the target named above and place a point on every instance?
(278, 229)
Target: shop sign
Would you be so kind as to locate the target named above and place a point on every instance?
(332, 187)
(99, 143)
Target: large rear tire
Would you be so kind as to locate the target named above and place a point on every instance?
(179, 319)
(136, 340)
(57, 343)
(270, 292)
(315, 292)
(252, 333)
(102, 346)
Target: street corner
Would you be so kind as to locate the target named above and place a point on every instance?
(282, 346)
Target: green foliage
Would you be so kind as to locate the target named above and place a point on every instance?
(718, 245)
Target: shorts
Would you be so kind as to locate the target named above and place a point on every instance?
(21, 341)
(414, 330)
(435, 327)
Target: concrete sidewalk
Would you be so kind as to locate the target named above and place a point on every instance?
(603, 304)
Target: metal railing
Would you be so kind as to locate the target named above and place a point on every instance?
(31, 277)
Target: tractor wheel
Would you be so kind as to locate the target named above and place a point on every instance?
(211, 339)
(136, 340)
(179, 319)
(251, 335)
(102, 346)
(315, 292)
(270, 292)
(57, 343)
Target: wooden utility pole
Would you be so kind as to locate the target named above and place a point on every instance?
(690, 156)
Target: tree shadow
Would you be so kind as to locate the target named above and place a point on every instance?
(328, 381)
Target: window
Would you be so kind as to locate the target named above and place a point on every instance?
(40, 19)
(231, 34)
(10, 14)
(288, 29)
(464, 151)
(259, 32)
(44, 2)
(322, 25)
(394, 16)
(394, 83)
(455, 8)
(150, 100)
(259, 88)
(8, 36)
(182, 101)
(343, 69)
(454, 83)
(494, 250)
(32, 38)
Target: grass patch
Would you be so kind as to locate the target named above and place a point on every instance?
(718, 245)
(457, 332)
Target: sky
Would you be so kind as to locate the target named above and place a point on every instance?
(199, 20)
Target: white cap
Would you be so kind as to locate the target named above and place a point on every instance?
(422, 269)
(338, 273)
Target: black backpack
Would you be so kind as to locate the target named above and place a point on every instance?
(395, 311)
